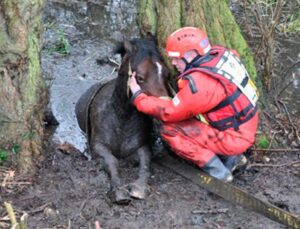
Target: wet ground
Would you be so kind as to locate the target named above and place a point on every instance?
(70, 191)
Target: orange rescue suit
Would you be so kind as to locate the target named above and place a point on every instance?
(190, 138)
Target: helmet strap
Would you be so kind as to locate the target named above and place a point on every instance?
(197, 61)
(185, 61)
(189, 65)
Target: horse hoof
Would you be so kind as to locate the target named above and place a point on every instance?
(138, 191)
(119, 196)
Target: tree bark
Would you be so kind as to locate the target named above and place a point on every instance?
(23, 93)
(162, 17)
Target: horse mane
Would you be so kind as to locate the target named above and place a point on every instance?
(143, 47)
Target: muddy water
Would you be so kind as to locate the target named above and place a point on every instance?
(92, 30)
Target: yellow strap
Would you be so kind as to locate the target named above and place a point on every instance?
(201, 118)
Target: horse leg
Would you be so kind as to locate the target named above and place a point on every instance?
(139, 188)
(117, 193)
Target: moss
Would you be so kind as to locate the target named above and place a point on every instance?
(193, 14)
(224, 30)
(151, 14)
(220, 26)
(294, 25)
(238, 42)
(20, 34)
(177, 13)
(3, 40)
(34, 88)
(213, 22)
(33, 69)
(147, 18)
(169, 18)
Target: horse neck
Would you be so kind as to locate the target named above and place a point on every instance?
(120, 96)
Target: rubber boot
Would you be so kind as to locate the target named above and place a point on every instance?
(233, 162)
(217, 169)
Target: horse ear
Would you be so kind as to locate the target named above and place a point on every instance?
(128, 47)
(124, 47)
(119, 49)
(149, 36)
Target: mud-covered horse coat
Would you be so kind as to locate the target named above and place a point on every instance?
(115, 129)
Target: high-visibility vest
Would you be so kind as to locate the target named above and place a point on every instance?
(222, 64)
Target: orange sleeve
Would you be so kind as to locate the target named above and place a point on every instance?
(185, 104)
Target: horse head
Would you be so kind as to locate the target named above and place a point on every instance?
(141, 56)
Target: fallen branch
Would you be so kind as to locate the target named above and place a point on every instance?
(14, 224)
(270, 117)
(11, 213)
(23, 221)
(277, 150)
(39, 209)
(272, 139)
(273, 165)
(114, 62)
(295, 129)
(207, 221)
(5, 183)
(5, 218)
(4, 225)
(216, 211)
(3, 169)
(8, 178)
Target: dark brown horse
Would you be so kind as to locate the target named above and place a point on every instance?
(115, 129)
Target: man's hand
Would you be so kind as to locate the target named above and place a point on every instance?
(133, 85)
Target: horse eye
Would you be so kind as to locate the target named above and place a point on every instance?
(140, 79)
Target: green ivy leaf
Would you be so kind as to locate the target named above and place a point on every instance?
(16, 148)
(3, 156)
(263, 142)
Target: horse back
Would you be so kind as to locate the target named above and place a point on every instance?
(82, 108)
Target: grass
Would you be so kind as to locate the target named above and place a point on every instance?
(263, 142)
(3, 156)
(62, 46)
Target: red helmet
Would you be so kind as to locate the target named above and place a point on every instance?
(185, 39)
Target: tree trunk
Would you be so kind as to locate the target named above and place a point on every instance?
(214, 16)
(23, 93)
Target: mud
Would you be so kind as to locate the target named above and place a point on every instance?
(70, 190)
